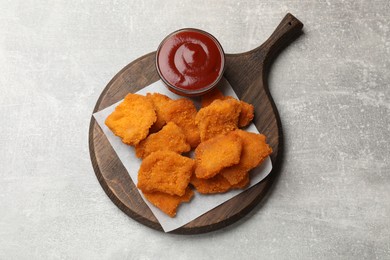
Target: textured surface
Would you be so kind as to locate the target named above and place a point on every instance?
(331, 87)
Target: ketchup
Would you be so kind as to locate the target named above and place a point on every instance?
(190, 61)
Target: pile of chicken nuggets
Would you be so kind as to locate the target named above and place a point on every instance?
(164, 131)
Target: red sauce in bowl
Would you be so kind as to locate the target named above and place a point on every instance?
(190, 62)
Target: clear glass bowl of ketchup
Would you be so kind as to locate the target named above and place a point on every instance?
(190, 62)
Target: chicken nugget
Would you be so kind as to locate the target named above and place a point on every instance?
(243, 183)
(254, 151)
(168, 203)
(233, 174)
(170, 137)
(246, 115)
(216, 184)
(160, 101)
(216, 154)
(220, 117)
(132, 119)
(165, 171)
(247, 110)
(183, 112)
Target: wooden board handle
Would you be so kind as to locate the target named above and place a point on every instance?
(249, 68)
(288, 29)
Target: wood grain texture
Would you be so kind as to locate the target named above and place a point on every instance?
(247, 73)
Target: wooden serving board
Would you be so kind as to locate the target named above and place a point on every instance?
(247, 73)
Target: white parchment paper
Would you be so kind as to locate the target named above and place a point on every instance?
(199, 204)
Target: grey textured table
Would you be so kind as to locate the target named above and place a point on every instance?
(331, 86)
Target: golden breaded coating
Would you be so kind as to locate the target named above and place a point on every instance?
(233, 174)
(216, 154)
(216, 184)
(243, 183)
(168, 203)
(220, 117)
(209, 97)
(183, 112)
(165, 171)
(132, 119)
(246, 115)
(247, 110)
(160, 102)
(254, 151)
(169, 138)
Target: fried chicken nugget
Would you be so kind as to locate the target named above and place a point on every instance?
(216, 154)
(183, 112)
(220, 117)
(254, 151)
(132, 119)
(165, 171)
(246, 115)
(168, 203)
(243, 183)
(170, 137)
(247, 110)
(160, 101)
(234, 175)
(216, 184)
